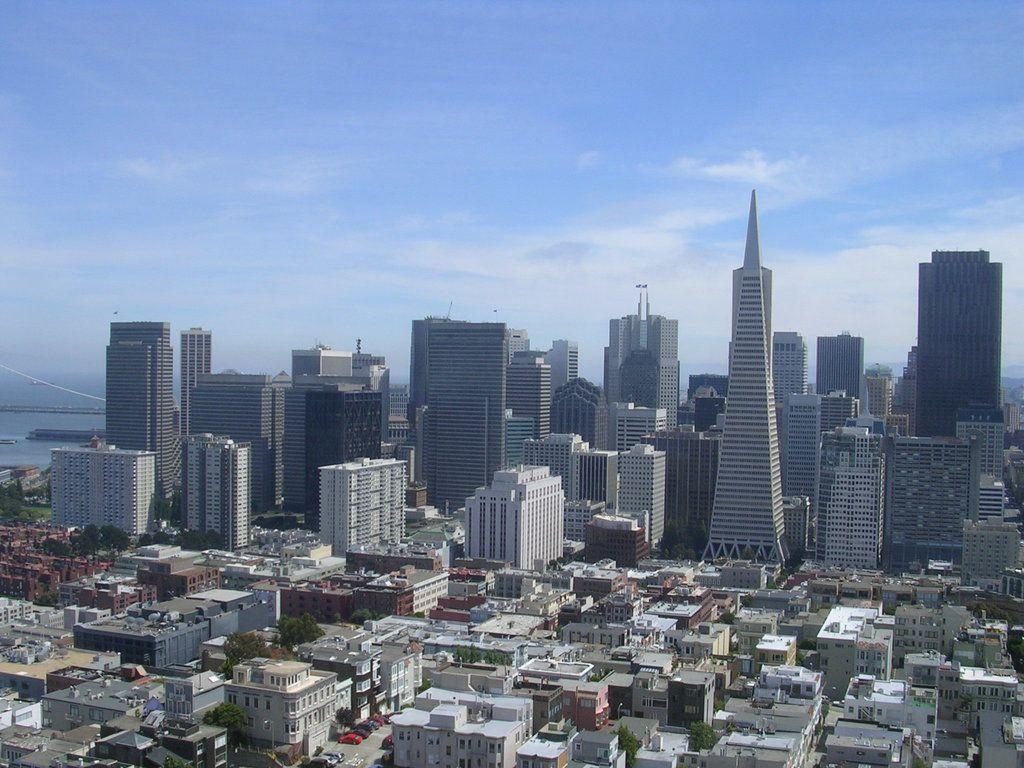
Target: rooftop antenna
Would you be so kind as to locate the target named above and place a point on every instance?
(359, 346)
(449, 315)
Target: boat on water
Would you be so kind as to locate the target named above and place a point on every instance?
(8, 442)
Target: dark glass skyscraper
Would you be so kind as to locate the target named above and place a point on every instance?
(959, 337)
(579, 408)
(464, 440)
(840, 364)
(418, 364)
(140, 396)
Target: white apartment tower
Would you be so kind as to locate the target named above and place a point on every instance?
(564, 359)
(627, 423)
(216, 486)
(642, 487)
(196, 346)
(558, 454)
(103, 485)
(518, 519)
(362, 502)
(851, 499)
(747, 518)
(789, 365)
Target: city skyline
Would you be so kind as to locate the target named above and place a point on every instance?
(230, 186)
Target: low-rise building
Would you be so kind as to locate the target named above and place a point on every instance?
(189, 697)
(990, 547)
(97, 703)
(775, 651)
(892, 703)
(849, 644)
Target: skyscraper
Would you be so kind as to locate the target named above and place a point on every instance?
(321, 360)
(196, 346)
(905, 393)
(247, 408)
(642, 488)
(836, 409)
(959, 337)
(628, 423)
(641, 361)
(465, 397)
(932, 486)
(518, 341)
(789, 365)
(528, 390)
(851, 498)
(840, 364)
(747, 518)
(578, 407)
(140, 395)
(418, 364)
(215, 487)
(564, 359)
(803, 439)
(878, 391)
(691, 470)
(987, 423)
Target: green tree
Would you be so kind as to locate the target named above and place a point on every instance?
(56, 548)
(362, 616)
(727, 618)
(629, 744)
(47, 599)
(113, 539)
(176, 762)
(702, 736)
(231, 717)
(242, 646)
(292, 632)
(807, 645)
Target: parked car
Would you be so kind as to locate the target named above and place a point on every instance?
(389, 741)
(379, 719)
(364, 732)
(373, 725)
(351, 738)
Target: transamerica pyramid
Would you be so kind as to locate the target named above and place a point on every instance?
(747, 520)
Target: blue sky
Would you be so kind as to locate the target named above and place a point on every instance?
(291, 172)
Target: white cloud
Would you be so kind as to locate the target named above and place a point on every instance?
(750, 168)
(161, 170)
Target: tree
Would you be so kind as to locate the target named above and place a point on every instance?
(292, 632)
(629, 744)
(363, 615)
(232, 718)
(345, 716)
(727, 618)
(48, 599)
(56, 548)
(176, 762)
(113, 539)
(242, 646)
(807, 645)
(702, 736)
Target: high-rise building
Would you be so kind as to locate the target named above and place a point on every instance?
(578, 407)
(518, 341)
(103, 485)
(932, 488)
(641, 361)
(716, 381)
(557, 452)
(598, 473)
(747, 518)
(196, 345)
(851, 498)
(789, 365)
(140, 395)
(215, 487)
(1011, 417)
(399, 397)
(578, 514)
(803, 439)
(837, 408)
(248, 408)
(618, 538)
(959, 337)
(517, 519)
(840, 364)
(518, 430)
(321, 360)
(528, 390)
(464, 441)
(372, 372)
(707, 407)
(324, 424)
(990, 547)
(878, 391)
(418, 365)
(362, 502)
(796, 511)
(691, 470)
(642, 487)
(987, 423)
(991, 498)
(627, 423)
(904, 400)
(564, 359)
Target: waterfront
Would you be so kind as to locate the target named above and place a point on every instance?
(16, 426)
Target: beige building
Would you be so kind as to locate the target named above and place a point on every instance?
(775, 651)
(850, 644)
(287, 703)
(919, 628)
(989, 549)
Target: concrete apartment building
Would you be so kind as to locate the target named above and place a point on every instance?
(103, 485)
(287, 703)
(920, 628)
(989, 549)
(642, 487)
(215, 486)
(894, 703)
(850, 644)
(362, 502)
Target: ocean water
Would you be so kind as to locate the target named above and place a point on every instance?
(16, 426)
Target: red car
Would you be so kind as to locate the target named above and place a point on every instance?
(379, 719)
(389, 741)
(351, 738)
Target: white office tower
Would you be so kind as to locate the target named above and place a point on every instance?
(851, 499)
(362, 502)
(642, 488)
(988, 424)
(215, 487)
(321, 360)
(518, 519)
(564, 359)
(627, 423)
(747, 519)
(103, 485)
(991, 496)
(558, 454)
(518, 341)
(789, 365)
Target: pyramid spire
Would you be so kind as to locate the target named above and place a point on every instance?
(752, 255)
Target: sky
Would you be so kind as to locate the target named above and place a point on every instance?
(287, 173)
